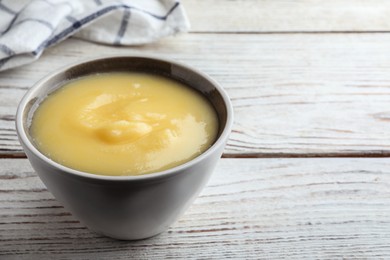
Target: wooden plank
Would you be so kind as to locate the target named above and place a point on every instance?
(251, 208)
(267, 16)
(293, 95)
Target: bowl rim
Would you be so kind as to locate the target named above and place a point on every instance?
(30, 94)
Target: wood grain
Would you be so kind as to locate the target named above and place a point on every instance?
(296, 91)
(293, 95)
(251, 208)
(270, 16)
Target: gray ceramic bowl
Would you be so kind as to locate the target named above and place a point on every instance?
(126, 207)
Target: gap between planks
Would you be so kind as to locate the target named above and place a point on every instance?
(378, 154)
(291, 32)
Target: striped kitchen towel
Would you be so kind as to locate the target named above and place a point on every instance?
(28, 27)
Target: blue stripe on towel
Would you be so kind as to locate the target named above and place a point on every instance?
(6, 9)
(92, 17)
(16, 15)
(3, 61)
(123, 26)
(80, 23)
(158, 16)
(7, 50)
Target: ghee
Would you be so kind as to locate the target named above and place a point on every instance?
(124, 124)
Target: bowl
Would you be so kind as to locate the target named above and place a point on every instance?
(126, 207)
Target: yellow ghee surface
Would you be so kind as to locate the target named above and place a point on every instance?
(124, 124)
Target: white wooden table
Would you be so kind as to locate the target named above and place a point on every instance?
(306, 172)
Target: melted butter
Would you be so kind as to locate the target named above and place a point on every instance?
(124, 124)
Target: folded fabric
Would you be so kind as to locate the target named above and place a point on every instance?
(27, 27)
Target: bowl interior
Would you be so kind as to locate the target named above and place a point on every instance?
(173, 70)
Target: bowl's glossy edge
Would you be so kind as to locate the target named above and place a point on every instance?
(21, 129)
